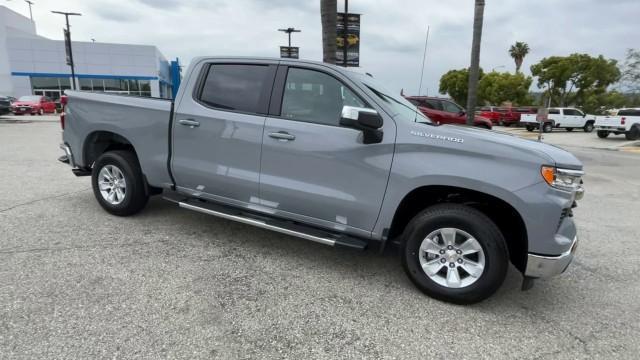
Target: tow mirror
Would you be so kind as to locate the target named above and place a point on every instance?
(366, 120)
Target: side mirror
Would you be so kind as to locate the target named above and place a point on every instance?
(366, 120)
(462, 112)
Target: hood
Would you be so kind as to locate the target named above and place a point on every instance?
(553, 154)
(24, 103)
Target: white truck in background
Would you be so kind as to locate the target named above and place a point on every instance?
(560, 117)
(626, 122)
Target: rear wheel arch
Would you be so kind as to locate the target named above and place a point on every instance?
(99, 142)
(503, 214)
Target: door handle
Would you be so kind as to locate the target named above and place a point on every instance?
(189, 122)
(282, 136)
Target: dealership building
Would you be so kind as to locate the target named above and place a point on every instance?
(34, 65)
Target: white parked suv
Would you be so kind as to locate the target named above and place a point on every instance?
(560, 117)
(626, 122)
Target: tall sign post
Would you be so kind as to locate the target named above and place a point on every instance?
(348, 39)
(67, 45)
(290, 52)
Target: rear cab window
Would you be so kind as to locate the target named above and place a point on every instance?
(237, 87)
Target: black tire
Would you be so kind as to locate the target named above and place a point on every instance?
(135, 197)
(474, 223)
(569, 129)
(547, 127)
(529, 128)
(602, 134)
(588, 127)
(41, 112)
(501, 123)
(633, 133)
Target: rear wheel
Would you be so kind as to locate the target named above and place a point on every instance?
(588, 127)
(602, 134)
(118, 183)
(547, 127)
(633, 133)
(529, 128)
(454, 253)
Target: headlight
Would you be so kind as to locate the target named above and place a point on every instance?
(564, 179)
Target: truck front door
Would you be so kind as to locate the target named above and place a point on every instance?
(313, 169)
(217, 131)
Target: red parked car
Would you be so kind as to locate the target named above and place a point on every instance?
(445, 111)
(33, 104)
(492, 113)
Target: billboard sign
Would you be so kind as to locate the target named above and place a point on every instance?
(352, 41)
(289, 52)
(67, 46)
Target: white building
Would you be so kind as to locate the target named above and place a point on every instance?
(32, 64)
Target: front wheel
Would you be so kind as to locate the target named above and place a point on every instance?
(118, 184)
(602, 134)
(588, 127)
(529, 128)
(455, 253)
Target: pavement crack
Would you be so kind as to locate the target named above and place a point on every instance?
(43, 199)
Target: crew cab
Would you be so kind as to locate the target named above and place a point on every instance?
(627, 122)
(560, 117)
(445, 111)
(329, 155)
(33, 104)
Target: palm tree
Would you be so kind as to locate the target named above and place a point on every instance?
(518, 51)
(328, 18)
(474, 69)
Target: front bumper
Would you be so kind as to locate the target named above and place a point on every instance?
(541, 266)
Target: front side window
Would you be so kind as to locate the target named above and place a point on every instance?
(315, 97)
(554, 111)
(236, 87)
(451, 107)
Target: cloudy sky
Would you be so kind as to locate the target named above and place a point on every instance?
(392, 33)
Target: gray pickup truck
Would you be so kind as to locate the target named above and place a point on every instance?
(328, 155)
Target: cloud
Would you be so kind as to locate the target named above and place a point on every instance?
(393, 32)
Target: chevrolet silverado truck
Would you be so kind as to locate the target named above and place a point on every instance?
(566, 118)
(627, 122)
(329, 155)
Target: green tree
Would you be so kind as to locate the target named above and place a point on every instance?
(474, 68)
(496, 88)
(569, 79)
(455, 83)
(597, 103)
(518, 51)
(631, 70)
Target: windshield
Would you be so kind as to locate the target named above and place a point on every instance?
(29, 98)
(401, 106)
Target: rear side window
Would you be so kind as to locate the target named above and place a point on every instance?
(433, 104)
(629, 112)
(237, 87)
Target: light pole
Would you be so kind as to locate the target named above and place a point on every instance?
(289, 31)
(30, 13)
(67, 40)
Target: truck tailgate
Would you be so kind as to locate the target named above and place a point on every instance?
(141, 121)
(611, 121)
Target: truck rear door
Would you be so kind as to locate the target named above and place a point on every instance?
(217, 130)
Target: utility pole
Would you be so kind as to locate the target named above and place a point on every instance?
(30, 13)
(345, 44)
(288, 31)
(67, 41)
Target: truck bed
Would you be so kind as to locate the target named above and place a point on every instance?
(146, 121)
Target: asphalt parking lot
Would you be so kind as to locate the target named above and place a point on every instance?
(76, 282)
